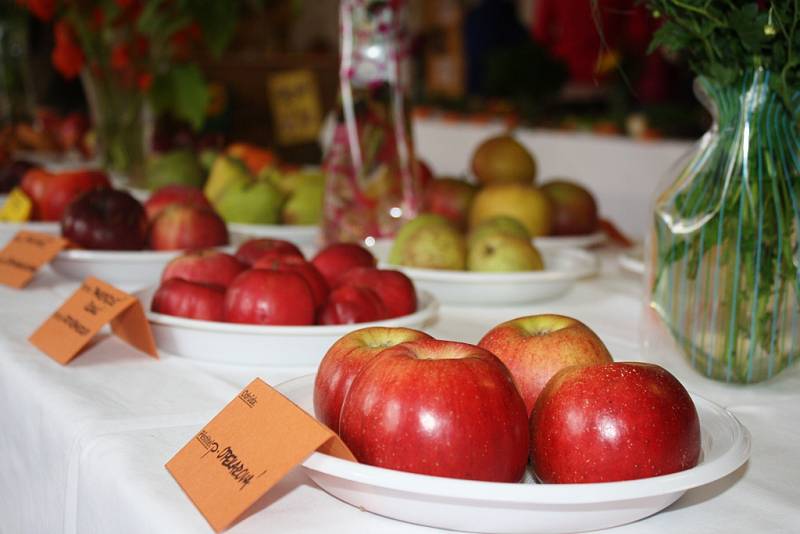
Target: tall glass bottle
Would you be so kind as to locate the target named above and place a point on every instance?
(371, 186)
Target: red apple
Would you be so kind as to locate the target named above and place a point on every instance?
(574, 208)
(174, 194)
(536, 347)
(451, 198)
(258, 296)
(395, 289)
(437, 408)
(424, 174)
(205, 266)
(105, 219)
(345, 359)
(290, 263)
(352, 304)
(190, 299)
(33, 184)
(252, 250)
(59, 189)
(181, 226)
(618, 421)
(336, 259)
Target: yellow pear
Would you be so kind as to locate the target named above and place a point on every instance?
(525, 203)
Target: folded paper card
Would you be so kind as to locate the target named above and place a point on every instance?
(22, 257)
(77, 321)
(245, 450)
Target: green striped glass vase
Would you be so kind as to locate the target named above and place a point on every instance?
(724, 258)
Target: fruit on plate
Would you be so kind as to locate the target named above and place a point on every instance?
(429, 241)
(11, 173)
(348, 304)
(252, 250)
(501, 160)
(503, 253)
(175, 167)
(336, 259)
(192, 300)
(254, 157)
(345, 359)
(182, 226)
(395, 289)
(250, 203)
(536, 347)
(105, 219)
(50, 193)
(424, 173)
(267, 297)
(611, 422)
(304, 205)
(437, 408)
(174, 194)
(498, 225)
(574, 208)
(296, 264)
(449, 197)
(225, 172)
(205, 266)
(525, 203)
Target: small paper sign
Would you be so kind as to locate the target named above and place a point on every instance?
(295, 104)
(25, 254)
(77, 321)
(245, 450)
(17, 207)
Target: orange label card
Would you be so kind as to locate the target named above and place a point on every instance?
(245, 450)
(77, 321)
(25, 254)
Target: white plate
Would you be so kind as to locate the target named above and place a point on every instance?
(261, 345)
(563, 267)
(632, 260)
(569, 241)
(9, 229)
(300, 235)
(526, 507)
(127, 270)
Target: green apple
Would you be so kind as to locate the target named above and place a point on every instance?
(176, 167)
(498, 225)
(503, 253)
(250, 203)
(225, 172)
(429, 241)
(305, 204)
(525, 203)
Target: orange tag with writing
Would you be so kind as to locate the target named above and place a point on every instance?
(77, 321)
(245, 450)
(25, 254)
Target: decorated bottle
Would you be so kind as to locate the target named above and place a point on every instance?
(371, 187)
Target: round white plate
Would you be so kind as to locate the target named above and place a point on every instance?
(569, 241)
(9, 229)
(300, 235)
(632, 260)
(563, 267)
(526, 507)
(262, 345)
(127, 270)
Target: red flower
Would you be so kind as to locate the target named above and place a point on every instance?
(145, 81)
(67, 56)
(43, 9)
(97, 19)
(184, 39)
(120, 57)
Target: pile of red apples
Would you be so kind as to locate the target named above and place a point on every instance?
(270, 282)
(540, 390)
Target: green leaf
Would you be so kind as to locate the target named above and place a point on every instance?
(671, 36)
(749, 24)
(183, 92)
(217, 20)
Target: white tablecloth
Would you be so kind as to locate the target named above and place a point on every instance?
(83, 446)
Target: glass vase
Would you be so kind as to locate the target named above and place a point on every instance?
(122, 126)
(371, 187)
(724, 255)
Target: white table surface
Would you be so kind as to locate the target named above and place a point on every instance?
(83, 445)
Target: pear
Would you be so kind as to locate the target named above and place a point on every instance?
(503, 253)
(176, 167)
(250, 203)
(525, 203)
(429, 241)
(305, 204)
(502, 159)
(498, 225)
(225, 172)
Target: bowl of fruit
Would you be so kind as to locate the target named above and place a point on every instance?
(267, 304)
(510, 435)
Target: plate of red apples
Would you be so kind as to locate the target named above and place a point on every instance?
(269, 304)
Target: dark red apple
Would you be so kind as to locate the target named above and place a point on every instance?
(395, 289)
(11, 173)
(437, 408)
(352, 304)
(252, 250)
(192, 300)
(345, 359)
(259, 296)
(290, 263)
(574, 208)
(174, 194)
(105, 219)
(181, 226)
(205, 266)
(451, 198)
(336, 259)
(617, 421)
(536, 347)
(424, 174)
(64, 187)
